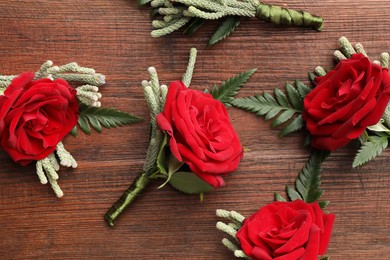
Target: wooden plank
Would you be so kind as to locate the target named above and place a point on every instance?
(114, 38)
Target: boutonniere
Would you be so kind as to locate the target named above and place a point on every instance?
(297, 228)
(349, 102)
(37, 110)
(192, 14)
(192, 142)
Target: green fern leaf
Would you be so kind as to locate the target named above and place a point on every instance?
(303, 90)
(293, 126)
(228, 25)
(292, 194)
(283, 117)
(281, 97)
(308, 181)
(143, 2)
(73, 132)
(370, 149)
(230, 87)
(278, 197)
(281, 107)
(103, 117)
(83, 123)
(294, 97)
(312, 77)
(194, 26)
(323, 204)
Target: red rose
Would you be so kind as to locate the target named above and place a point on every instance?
(35, 115)
(345, 102)
(200, 133)
(286, 231)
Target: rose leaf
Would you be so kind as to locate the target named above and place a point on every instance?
(189, 183)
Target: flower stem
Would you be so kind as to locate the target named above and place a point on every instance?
(128, 197)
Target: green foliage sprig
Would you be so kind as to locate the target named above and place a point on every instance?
(307, 184)
(102, 117)
(373, 145)
(280, 106)
(193, 13)
(230, 87)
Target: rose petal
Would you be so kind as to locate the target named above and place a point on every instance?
(312, 246)
(325, 235)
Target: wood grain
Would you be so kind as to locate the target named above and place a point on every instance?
(113, 36)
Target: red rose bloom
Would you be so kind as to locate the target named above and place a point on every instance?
(345, 102)
(286, 231)
(200, 133)
(35, 115)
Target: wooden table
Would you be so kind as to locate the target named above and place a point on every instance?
(113, 36)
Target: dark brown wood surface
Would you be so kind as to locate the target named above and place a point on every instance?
(113, 36)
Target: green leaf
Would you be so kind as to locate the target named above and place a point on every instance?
(312, 77)
(83, 123)
(162, 157)
(103, 117)
(323, 204)
(278, 197)
(308, 181)
(143, 2)
(307, 141)
(189, 183)
(293, 194)
(293, 96)
(173, 166)
(370, 149)
(230, 87)
(227, 26)
(194, 26)
(280, 106)
(303, 90)
(283, 117)
(154, 12)
(295, 125)
(74, 131)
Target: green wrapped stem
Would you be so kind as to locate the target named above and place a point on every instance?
(280, 15)
(128, 197)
